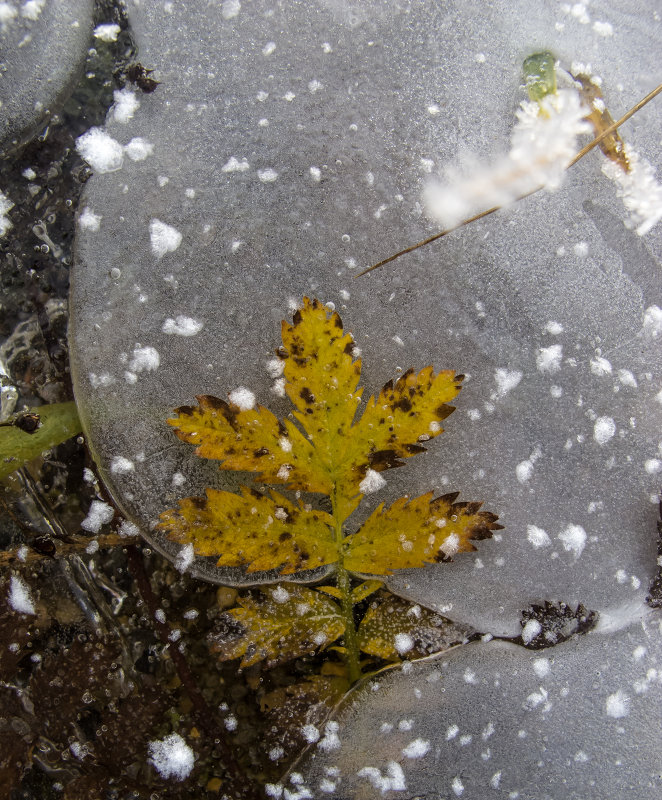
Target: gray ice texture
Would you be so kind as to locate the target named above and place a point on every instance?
(43, 45)
(287, 148)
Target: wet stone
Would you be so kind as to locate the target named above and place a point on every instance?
(285, 148)
(43, 47)
(579, 720)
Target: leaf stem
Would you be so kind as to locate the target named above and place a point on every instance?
(344, 586)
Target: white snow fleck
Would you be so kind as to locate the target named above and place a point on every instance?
(185, 558)
(451, 732)
(235, 165)
(280, 595)
(451, 544)
(316, 174)
(107, 32)
(268, 48)
(653, 466)
(524, 470)
(145, 359)
(531, 630)
(120, 465)
(506, 380)
(542, 667)
(457, 786)
(581, 249)
(267, 175)
(231, 723)
(537, 536)
(182, 326)
(469, 676)
(393, 781)
(275, 367)
(627, 378)
(600, 366)
(163, 238)
(372, 482)
(276, 753)
(6, 205)
(88, 220)
(101, 151)
(403, 643)
(639, 652)
(495, 780)
(604, 429)
(243, 398)
(617, 705)
(555, 328)
(138, 149)
(314, 86)
(310, 733)
(331, 740)
(652, 322)
(7, 14)
(603, 28)
(99, 514)
(127, 528)
(573, 539)
(19, 596)
(285, 444)
(125, 106)
(171, 757)
(230, 8)
(548, 359)
(416, 749)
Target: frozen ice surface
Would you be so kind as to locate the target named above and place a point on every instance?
(42, 48)
(526, 301)
(581, 723)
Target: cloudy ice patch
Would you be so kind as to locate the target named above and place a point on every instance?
(99, 514)
(19, 597)
(107, 32)
(125, 106)
(548, 359)
(372, 482)
(171, 757)
(617, 705)
(138, 149)
(144, 359)
(604, 429)
(537, 536)
(163, 238)
(243, 398)
(101, 151)
(506, 380)
(573, 539)
(182, 326)
(88, 220)
(235, 165)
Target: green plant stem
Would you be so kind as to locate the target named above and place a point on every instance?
(344, 585)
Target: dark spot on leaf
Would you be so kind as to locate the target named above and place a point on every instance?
(263, 451)
(306, 395)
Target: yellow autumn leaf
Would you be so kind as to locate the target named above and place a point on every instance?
(413, 533)
(394, 628)
(251, 439)
(278, 624)
(253, 530)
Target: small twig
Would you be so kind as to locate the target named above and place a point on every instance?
(586, 149)
(238, 785)
(76, 546)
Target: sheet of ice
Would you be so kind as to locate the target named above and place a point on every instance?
(43, 46)
(582, 723)
(526, 301)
